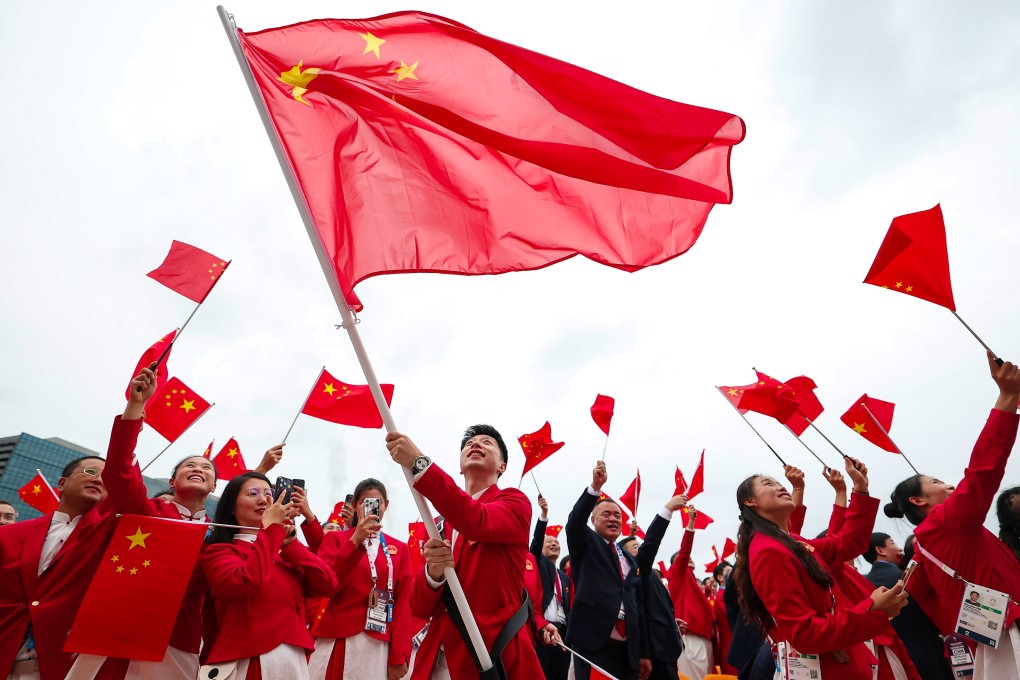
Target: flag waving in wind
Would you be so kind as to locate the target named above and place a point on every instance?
(858, 420)
(602, 412)
(190, 271)
(538, 446)
(338, 402)
(39, 494)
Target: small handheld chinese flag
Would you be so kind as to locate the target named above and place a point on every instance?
(769, 397)
(190, 271)
(149, 357)
(710, 567)
(857, 419)
(538, 446)
(808, 406)
(602, 412)
(681, 483)
(176, 410)
(701, 521)
(554, 530)
(337, 517)
(632, 495)
(914, 259)
(39, 494)
(208, 450)
(698, 480)
(131, 605)
(344, 404)
(229, 462)
(729, 548)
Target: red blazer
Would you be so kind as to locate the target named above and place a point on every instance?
(128, 495)
(954, 532)
(494, 533)
(258, 591)
(50, 601)
(344, 615)
(803, 610)
(689, 601)
(533, 584)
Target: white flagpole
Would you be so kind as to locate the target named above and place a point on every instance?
(898, 449)
(452, 582)
(47, 485)
(303, 404)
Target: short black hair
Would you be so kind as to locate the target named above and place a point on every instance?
(564, 561)
(878, 540)
(76, 463)
(366, 485)
(225, 508)
(490, 431)
(626, 541)
(162, 492)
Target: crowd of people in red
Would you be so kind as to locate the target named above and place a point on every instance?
(350, 602)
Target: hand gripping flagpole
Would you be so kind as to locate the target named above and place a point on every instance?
(452, 582)
(883, 430)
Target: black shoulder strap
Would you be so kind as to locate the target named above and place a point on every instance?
(523, 614)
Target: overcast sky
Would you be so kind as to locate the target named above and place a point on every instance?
(127, 125)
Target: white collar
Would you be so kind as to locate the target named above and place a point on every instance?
(63, 518)
(188, 515)
(248, 538)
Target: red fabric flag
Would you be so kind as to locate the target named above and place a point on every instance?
(681, 483)
(808, 408)
(538, 446)
(190, 271)
(769, 397)
(710, 567)
(701, 521)
(596, 674)
(344, 404)
(632, 495)
(416, 537)
(734, 394)
(39, 494)
(554, 530)
(602, 412)
(337, 517)
(452, 152)
(857, 419)
(131, 605)
(698, 480)
(914, 259)
(150, 356)
(729, 548)
(229, 462)
(662, 568)
(177, 408)
(208, 450)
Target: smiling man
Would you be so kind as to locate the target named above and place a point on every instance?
(487, 548)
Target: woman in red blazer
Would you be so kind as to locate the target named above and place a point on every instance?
(258, 579)
(785, 583)
(349, 641)
(950, 529)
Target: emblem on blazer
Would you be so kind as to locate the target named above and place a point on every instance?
(391, 549)
(528, 567)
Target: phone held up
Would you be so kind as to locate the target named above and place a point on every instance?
(371, 506)
(285, 487)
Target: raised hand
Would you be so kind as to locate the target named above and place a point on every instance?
(692, 515)
(1007, 377)
(142, 387)
(278, 513)
(544, 505)
(300, 501)
(858, 474)
(270, 459)
(438, 556)
(676, 502)
(599, 476)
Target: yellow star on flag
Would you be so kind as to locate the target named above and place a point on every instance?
(899, 284)
(372, 43)
(36, 488)
(299, 80)
(138, 539)
(188, 406)
(405, 71)
(146, 563)
(231, 453)
(859, 428)
(910, 289)
(134, 570)
(329, 389)
(733, 392)
(120, 570)
(115, 558)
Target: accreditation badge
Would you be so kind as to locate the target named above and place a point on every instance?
(796, 666)
(982, 614)
(380, 613)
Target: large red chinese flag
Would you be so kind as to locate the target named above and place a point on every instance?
(769, 397)
(229, 462)
(176, 409)
(422, 145)
(131, 605)
(190, 271)
(602, 412)
(914, 259)
(39, 494)
(149, 357)
(344, 404)
(698, 480)
(632, 495)
(808, 406)
(857, 419)
(538, 446)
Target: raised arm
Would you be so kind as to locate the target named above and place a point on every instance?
(538, 536)
(656, 532)
(232, 574)
(576, 527)
(320, 581)
(855, 535)
(122, 476)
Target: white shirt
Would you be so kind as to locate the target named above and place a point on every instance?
(188, 515)
(61, 528)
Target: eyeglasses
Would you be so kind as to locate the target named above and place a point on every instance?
(255, 492)
(90, 471)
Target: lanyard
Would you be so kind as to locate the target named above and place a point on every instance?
(952, 573)
(389, 564)
(619, 561)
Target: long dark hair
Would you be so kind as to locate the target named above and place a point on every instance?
(752, 523)
(900, 505)
(225, 508)
(1009, 523)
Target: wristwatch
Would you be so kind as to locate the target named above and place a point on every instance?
(419, 464)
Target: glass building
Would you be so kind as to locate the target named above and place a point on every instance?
(22, 455)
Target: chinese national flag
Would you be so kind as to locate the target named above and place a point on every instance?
(698, 480)
(602, 412)
(190, 271)
(857, 419)
(452, 152)
(177, 408)
(729, 548)
(538, 446)
(336, 517)
(769, 397)
(208, 450)
(229, 462)
(701, 521)
(39, 494)
(131, 605)
(632, 495)
(416, 537)
(149, 357)
(344, 404)
(662, 568)
(596, 674)
(681, 483)
(808, 408)
(554, 530)
(710, 567)
(734, 394)
(914, 259)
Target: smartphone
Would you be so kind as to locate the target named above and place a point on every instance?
(908, 572)
(299, 484)
(371, 506)
(284, 486)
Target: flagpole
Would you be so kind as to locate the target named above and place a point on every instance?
(826, 438)
(886, 433)
(47, 485)
(178, 437)
(604, 446)
(600, 670)
(744, 418)
(804, 444)
(303, 404)
(536, 483)
(977, 337)
(452, 581)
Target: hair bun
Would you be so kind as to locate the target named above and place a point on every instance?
(892, 510)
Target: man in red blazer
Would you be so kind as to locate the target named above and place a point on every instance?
(46, 565)
(487, 547)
